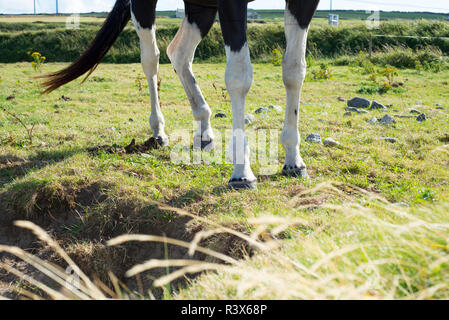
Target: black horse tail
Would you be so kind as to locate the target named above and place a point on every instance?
(115, 23)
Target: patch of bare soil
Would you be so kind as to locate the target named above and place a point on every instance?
(82, 220)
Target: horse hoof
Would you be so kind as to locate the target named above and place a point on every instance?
(242, 184)
(162, 141)
(295, 171)
(207, 145)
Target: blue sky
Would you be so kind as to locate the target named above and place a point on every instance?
(68, 6)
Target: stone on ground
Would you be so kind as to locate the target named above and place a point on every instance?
(329, 142)
(262, 110)
(387, 119)
(249, 118)
(421, 118)
(220, 115)
(314, 138)
(358, 102)
(275, 108)
(378, 106)
(373, 120)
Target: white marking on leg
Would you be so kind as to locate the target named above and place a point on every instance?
(239, 76)
(294, 72)
(181, 52)
(150, 64)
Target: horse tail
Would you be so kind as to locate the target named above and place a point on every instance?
(91, 58)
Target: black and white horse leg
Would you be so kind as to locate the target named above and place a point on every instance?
(197, 23)
(238, 77)
(143, 13)
(298, 14)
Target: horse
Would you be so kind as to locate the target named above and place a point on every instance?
(200, 16)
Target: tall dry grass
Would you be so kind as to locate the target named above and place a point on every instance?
(373, 250)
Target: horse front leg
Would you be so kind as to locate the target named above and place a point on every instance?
(297, 19)
(238, 78)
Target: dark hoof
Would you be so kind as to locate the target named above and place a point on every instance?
(207, 145)
(163, 142)
(294, 171)
(242, 184)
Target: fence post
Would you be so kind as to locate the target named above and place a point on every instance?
(370, 45)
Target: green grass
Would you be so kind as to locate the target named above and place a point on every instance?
(57, 174)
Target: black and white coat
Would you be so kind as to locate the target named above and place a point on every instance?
(197, 23)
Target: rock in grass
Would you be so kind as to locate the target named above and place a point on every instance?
(440, 108)
(389, 139)
(329, 142)
(249, 118)
(347, 114)
(414, 111)
(358, 102)
(314, 138)
(356, 110)
(341, 99)
(275, 108)
(261, 110)
(387, 119)
(377, 106)
(373, 120)
(421, 118)
(10, 98)
(220, 115)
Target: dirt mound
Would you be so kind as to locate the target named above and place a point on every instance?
(83, 219)
(133, 147)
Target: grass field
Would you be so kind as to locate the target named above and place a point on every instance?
(371, 223)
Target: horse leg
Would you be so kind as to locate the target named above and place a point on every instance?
(143, 13)
(297, 19)
(197, 23)
(238, 78)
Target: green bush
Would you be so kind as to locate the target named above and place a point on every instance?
(430, 58)
(61, 45)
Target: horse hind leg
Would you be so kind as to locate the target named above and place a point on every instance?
(143, 13)
(196, 24)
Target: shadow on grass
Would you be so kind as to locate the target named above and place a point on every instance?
(13, 167)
